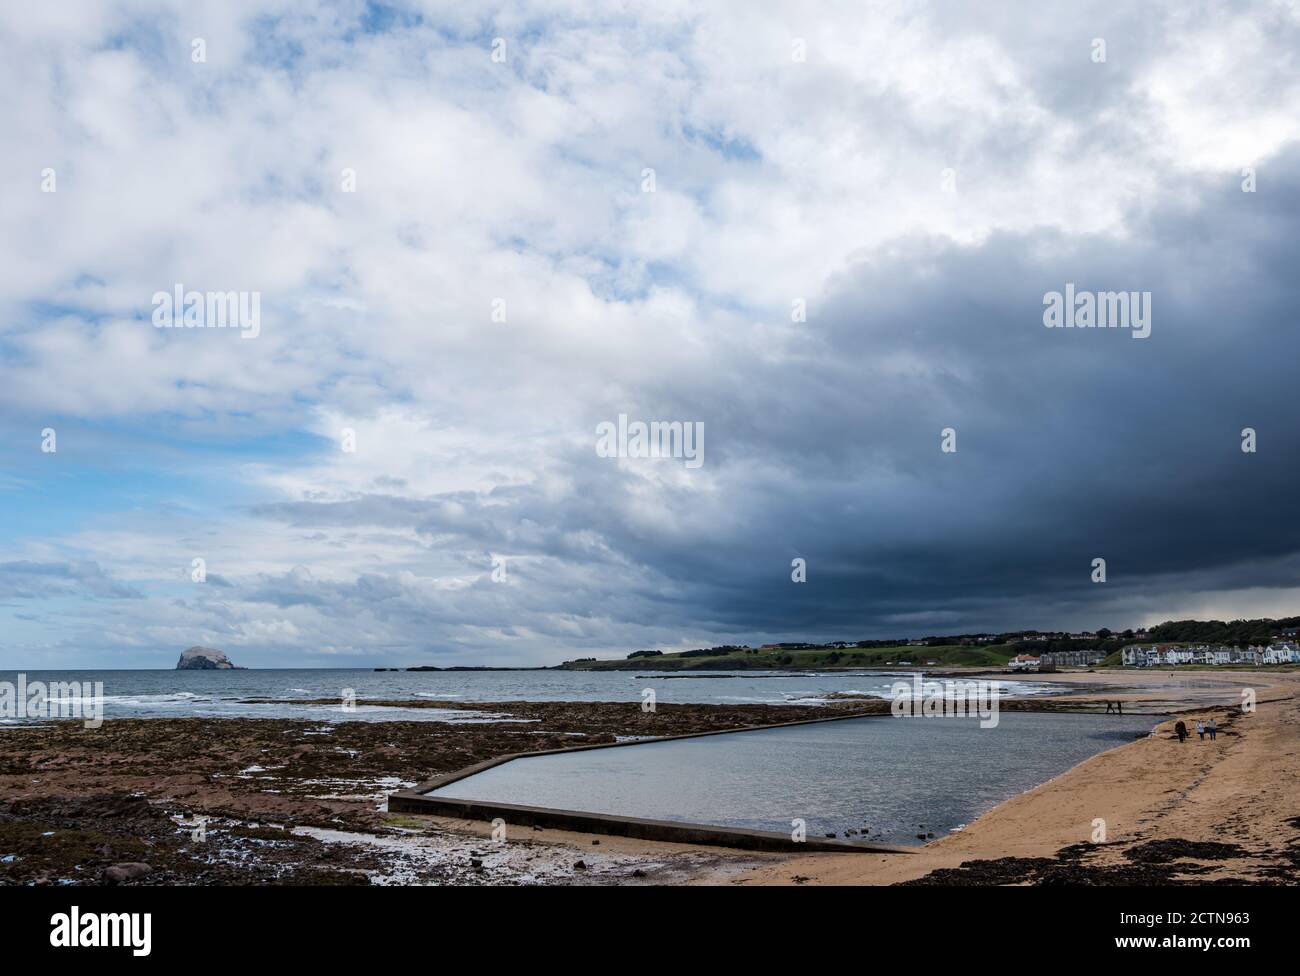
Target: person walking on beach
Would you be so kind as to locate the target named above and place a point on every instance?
(1212, 729)
(1180, 730)
(1200, 728)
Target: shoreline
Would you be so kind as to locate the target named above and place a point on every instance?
(305, 801)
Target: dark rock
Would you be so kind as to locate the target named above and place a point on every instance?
(1165, 851)
(126, 872)
(204, 659)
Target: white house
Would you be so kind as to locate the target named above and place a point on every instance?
(1285, 653)
(1024, 662)
(1134, 656)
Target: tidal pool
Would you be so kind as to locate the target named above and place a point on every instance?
(896, 776)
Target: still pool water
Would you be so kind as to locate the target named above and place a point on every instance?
(897, 776)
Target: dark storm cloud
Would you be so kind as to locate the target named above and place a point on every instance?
(1072, 444)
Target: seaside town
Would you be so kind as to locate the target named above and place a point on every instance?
(1286, 652)
(1156, 655)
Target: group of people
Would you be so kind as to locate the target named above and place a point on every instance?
(1180, 729)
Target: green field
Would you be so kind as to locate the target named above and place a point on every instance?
(809, 658)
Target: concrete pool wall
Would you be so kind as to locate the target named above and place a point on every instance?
(418, 800)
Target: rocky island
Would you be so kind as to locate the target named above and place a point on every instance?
(204, 659)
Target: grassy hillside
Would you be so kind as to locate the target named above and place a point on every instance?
(807, 658)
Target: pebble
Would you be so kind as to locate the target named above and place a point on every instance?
(126, 872)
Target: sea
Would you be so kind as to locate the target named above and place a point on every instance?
(235, 694)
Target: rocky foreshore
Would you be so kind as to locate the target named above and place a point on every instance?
(296, 802)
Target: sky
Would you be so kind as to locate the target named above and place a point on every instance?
(823, 235)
